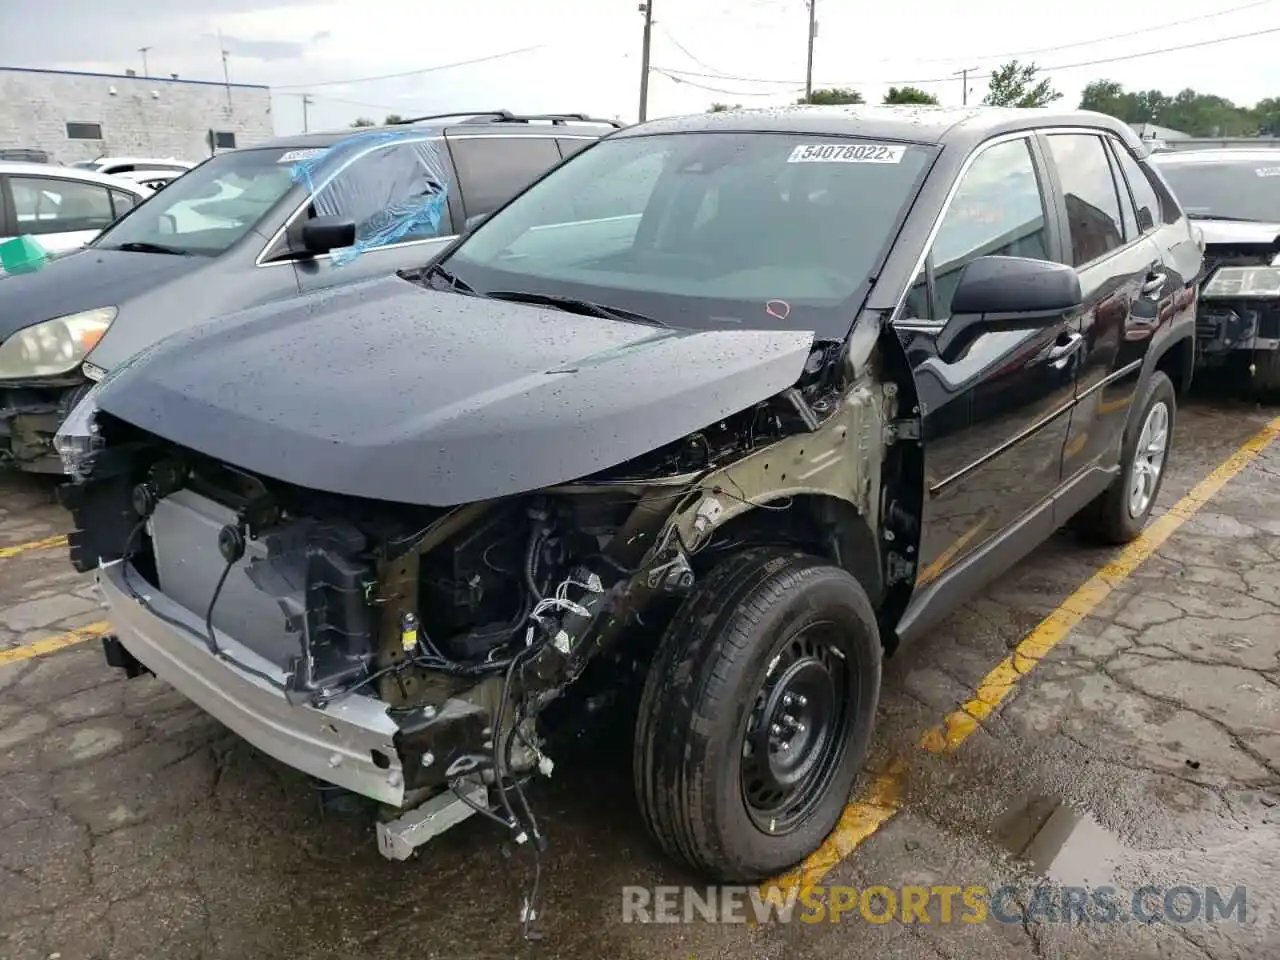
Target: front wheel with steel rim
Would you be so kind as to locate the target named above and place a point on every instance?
(1121, 512)
(757, 714)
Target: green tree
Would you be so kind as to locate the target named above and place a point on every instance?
(1192, 112)
(1268, 114)
(909, 95)
(392, 119)
(362, 122)
(833, 95)
(723, 107)
(1016, 85)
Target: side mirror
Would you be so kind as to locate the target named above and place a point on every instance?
(1008, 293)
(322, 234)
(1016, 287)
(475, 221)
(168, 224)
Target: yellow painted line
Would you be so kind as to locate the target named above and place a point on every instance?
(38, 648)
(864, 817)
(46, 543)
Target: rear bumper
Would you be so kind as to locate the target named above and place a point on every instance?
(350, 743)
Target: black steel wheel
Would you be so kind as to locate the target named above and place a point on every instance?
(757, 714)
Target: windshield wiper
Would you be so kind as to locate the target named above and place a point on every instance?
(575, 305)
(1223, 218)
(461, 286)
(145, 246)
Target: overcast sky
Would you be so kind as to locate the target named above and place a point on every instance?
(584, 55)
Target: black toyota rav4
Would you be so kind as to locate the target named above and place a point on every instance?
(748, 400)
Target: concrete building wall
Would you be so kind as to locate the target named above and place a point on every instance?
(138, 116)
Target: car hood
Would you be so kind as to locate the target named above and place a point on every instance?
(83, 280)
(383, 389)
(1227, 232)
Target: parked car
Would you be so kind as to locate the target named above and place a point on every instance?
(61, 207)
(151, 179)
(245, 227)
(1233, 195)
(118, 165)
(748, 399)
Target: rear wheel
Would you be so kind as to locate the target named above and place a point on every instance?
(1121, 512)
(757, 714)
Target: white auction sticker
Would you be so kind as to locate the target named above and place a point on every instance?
(846, 153)
(293, 156)
(1268, 171)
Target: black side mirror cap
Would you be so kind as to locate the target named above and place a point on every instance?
(323, 234)
(1008, 293)
(1016, 286)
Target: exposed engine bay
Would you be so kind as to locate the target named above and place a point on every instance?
(463, 624)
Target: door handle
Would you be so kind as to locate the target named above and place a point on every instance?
(1063, 350)
(1154, 284)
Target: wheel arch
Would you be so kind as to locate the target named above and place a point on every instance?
(823, 524)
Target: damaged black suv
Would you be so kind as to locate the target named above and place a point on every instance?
(747, 399)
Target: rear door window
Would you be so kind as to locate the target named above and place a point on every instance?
(43, 205)
(1145, 198)
(492, 170)
(122, 202)
(1089, 189)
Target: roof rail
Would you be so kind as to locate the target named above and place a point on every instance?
(506, 116)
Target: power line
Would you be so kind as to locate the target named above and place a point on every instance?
(413, 73)
(683, 49)
(1126, 35)
(733, 93)
(1042, 69)
(1088, 43)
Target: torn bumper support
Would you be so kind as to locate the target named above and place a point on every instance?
(1222, 329)
(351, 743)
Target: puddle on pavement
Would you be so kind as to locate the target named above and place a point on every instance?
(1065, 845)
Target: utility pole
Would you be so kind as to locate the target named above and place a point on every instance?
(143, 51)
(813, 33)
(226, 71)
(646, 7)
(306, 102)
(964, 79)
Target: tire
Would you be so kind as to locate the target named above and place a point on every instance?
(1112, 517)
(753, 614)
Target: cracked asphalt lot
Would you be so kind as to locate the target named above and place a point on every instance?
(1144, 750)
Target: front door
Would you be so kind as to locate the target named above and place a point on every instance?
(995, 414)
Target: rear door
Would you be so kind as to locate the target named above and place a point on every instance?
(1123, 280)
(995, 414)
